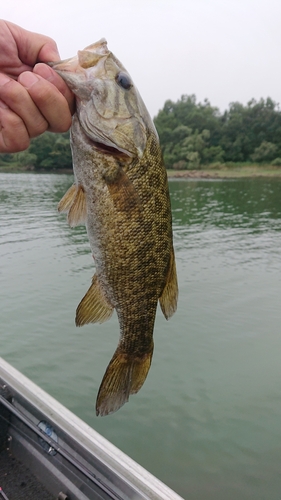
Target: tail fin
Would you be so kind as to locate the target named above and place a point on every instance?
(124, 375)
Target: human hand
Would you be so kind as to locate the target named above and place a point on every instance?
(33, 97)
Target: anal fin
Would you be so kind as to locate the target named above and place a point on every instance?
(74, 203)
(94, 307)
(124, 375)
(169, 297)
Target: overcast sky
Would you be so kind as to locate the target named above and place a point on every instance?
(223, 50)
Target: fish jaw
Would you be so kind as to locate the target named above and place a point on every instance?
(110, 109)
(74, 69)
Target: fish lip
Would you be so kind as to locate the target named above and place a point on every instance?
(63, 63)
(93, 54)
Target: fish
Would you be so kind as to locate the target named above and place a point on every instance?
(121, 194)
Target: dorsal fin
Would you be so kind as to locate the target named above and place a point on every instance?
(169, 297)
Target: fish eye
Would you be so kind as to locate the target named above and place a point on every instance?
(124, 81)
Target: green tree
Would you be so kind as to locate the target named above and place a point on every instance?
(236, 135)
(186, 111)
(189, 132)
(246, 127)
(52, 151)
(60, 156)
(25, 158)
(265, 152)
(47, 151)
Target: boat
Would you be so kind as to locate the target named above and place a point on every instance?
(48, 453)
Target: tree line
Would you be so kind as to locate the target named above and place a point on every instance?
(48, 151)
(192, 134)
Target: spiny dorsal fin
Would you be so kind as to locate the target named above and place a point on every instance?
(74, 203)
(94, 307)
(124, 375)
(168, 299)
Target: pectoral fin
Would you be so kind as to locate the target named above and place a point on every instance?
(74, 204)
(94, 307)
(67, 200)
(168, 299)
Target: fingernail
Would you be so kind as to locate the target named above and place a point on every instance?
(4, 79)
(44, 71)
(27, 79)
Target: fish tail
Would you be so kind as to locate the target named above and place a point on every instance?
(124, 375)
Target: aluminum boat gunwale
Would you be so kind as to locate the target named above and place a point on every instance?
(79, 463)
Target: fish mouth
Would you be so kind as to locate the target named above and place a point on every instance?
(109, 150)
(87, 58)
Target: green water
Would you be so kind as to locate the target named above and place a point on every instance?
(208, 419)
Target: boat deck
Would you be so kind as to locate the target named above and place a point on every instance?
(17, 482)
(48, 453)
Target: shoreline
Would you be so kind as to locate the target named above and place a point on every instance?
(249, 172)
(244, 172)
(29, 170)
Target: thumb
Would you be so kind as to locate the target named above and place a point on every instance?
(49, 52)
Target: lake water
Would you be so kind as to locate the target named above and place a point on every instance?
(208, 419)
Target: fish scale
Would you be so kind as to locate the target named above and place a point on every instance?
(121, 194)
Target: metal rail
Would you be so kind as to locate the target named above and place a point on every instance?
(65, 454)
(132, 479)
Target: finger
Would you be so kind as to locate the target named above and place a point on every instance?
(51, 76)
(33, 47)
(17, 98)
(13, 133)
(51, 103)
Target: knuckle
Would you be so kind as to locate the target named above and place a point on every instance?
(16, 148)
(15, 135)
(52, 105)
(60, 126)
(15, 145)
(38, 128)
(11, 91)
(45, 94)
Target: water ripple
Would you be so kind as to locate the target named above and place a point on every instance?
(210, 408)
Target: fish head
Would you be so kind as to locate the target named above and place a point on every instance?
(109, 107)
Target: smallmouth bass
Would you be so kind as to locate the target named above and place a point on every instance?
(121, 194)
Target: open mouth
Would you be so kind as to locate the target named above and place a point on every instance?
(109, 150)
